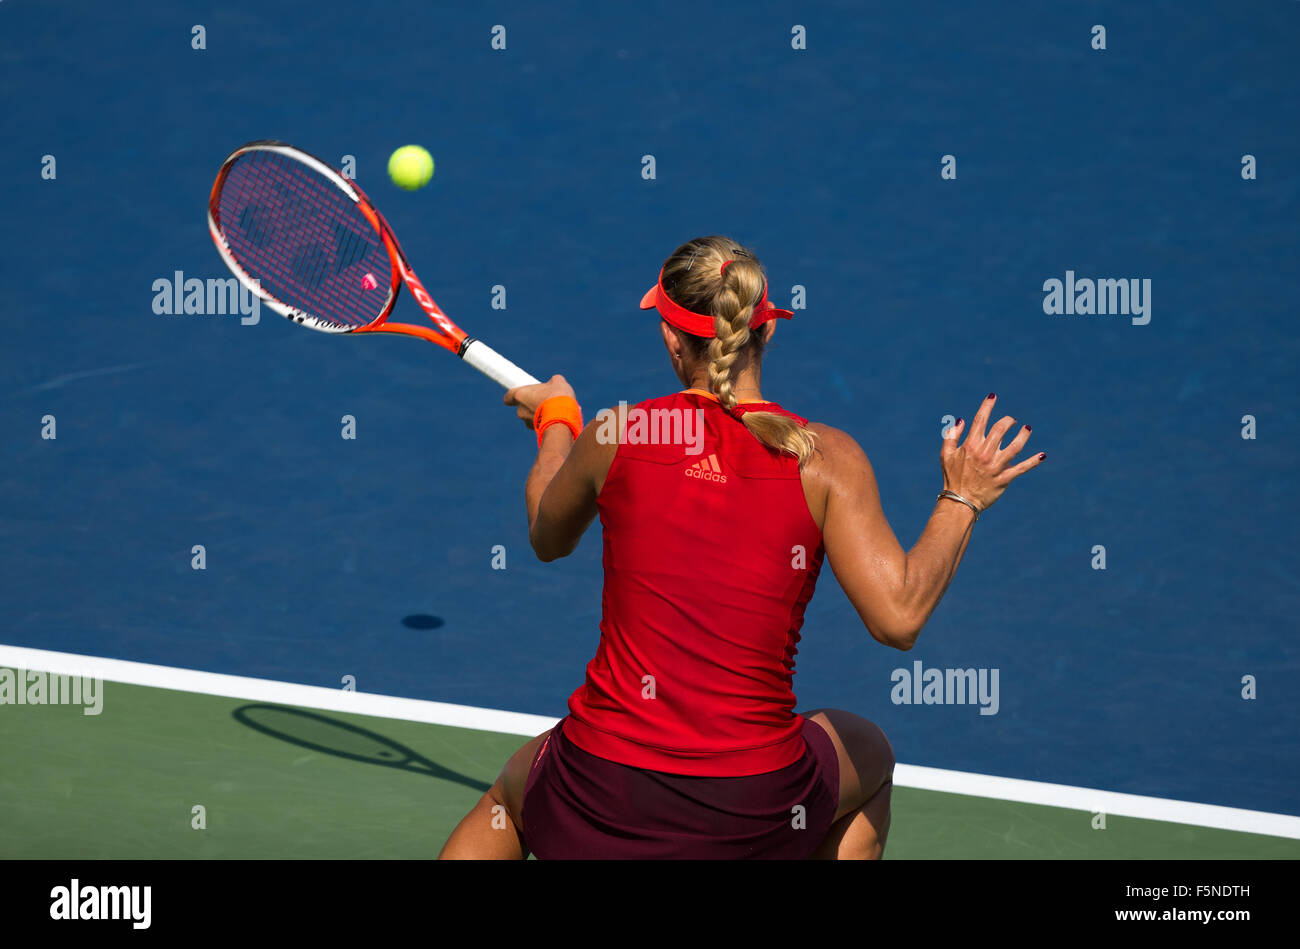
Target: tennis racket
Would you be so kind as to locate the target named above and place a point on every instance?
(313, 248)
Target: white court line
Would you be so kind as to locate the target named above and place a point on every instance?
(1094, 801)
(519, 723)
(269, 690)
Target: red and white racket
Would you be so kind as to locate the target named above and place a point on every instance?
(310, 244)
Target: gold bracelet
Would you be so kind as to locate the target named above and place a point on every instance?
(954, 496)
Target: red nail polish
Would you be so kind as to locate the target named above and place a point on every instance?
(960, 420)
(991, 395)
(1029, 428)
(1042, 456)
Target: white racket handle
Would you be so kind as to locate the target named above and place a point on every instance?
(495, 366)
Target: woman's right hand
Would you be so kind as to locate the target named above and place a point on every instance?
(980, 469)
(526, 399)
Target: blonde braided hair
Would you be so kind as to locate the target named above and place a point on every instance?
(694, 278)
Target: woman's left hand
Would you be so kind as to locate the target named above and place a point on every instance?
(528, 398)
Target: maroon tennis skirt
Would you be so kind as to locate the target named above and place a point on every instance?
(579, 806)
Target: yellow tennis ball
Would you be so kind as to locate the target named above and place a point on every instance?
(410, 167)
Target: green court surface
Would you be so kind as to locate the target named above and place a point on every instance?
(283, 782)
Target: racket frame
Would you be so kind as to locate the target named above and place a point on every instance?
(448, 335)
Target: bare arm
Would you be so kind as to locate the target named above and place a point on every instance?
(560, 493)
(895, 592)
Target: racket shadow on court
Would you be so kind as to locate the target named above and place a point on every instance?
(343, 740)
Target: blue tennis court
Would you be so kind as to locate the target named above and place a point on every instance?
(1172, 673)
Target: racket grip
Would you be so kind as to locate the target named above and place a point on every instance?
(495, 366)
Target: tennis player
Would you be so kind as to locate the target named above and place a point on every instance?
(717, 508)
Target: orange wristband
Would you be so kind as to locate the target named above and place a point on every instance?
(558, 409)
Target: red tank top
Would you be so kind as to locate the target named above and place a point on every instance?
(710, 559)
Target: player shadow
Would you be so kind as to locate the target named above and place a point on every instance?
(343, 740)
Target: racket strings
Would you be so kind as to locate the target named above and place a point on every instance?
(308, 243)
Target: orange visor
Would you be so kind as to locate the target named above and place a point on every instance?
(697, 324)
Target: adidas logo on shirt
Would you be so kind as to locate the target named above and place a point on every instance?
(707, 469)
